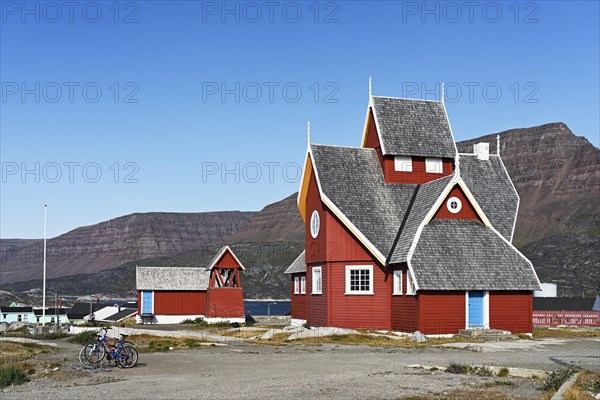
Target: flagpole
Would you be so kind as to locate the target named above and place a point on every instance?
(44, 284)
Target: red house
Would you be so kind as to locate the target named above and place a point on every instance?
(169, 295)
(405, 234)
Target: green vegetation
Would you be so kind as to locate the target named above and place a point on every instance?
(504, 372)
(12, 375)
(458, 368)
(556, 379)
(84, 337)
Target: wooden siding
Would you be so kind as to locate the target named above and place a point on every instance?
(317, 303)
(177, 302)
(227, 261)
(316, 249)
(405, 308)
(466, 212)
(574, 318)
(441, 312)
(299, 301)
(418, 174)
(360, 311)
(341, 245)
(225, 303)
(511, 311)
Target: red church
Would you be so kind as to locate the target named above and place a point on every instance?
(169, 295)
(406, 234)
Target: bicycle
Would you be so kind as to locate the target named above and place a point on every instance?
(123, 353)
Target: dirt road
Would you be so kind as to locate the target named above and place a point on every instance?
(244, 371)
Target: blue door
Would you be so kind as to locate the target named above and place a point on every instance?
(476, 308)
(146, 302)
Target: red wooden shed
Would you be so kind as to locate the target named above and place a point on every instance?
(173, 294)
(406, 234)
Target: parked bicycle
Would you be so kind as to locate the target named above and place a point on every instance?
(123, 353)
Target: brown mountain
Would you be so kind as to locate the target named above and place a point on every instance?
(112, 243)
(557, 175)
(276, 222)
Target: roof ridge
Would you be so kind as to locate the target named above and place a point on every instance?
(407, 98)
(343, 147)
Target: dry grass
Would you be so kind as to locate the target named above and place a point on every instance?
(362, 340)
(582, 332)
(242, 333)
(21, 350)
(464, 394)
(149, 343)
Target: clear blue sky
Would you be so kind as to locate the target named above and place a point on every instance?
(161, 120)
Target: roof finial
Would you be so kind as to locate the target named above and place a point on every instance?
(442, 92)
(308, 132)
(370, 86)
(498, 145)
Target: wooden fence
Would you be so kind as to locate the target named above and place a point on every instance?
(554, 318)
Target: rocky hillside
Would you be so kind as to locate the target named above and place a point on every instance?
(557, 175)
(109, 244)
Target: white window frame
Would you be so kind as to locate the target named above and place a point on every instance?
(315, 224)
(317, 284)
(434, 165)
(296, 285)
(397, 282)
(458, 205)
(303, 284)
(410, 285)
(359, 267)
(403, 164)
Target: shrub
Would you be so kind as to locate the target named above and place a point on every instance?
(84, 337)
(11, 375)
(499, 383)
(504, 372)
(50, 335)
(556, 379)
(457, 368)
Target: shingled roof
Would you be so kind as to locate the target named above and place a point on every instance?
(413, 127)
(493, 190)
(456, 254)
(298, 265)
(172, 278)
(352, 179)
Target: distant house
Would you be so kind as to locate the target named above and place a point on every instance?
(115, 313)
(404, 233)
(173, 294)
(574, 311)
(79, 311)
(16, 314)
(52, 314)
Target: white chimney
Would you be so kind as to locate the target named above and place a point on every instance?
(482, 150)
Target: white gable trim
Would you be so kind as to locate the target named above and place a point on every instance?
(372, 107)
(210, 267)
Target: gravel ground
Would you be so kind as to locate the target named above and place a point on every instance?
(245, 371)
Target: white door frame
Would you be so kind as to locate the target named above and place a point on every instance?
(486, 309)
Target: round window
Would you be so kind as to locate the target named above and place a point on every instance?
(315, 224)
(454, 205)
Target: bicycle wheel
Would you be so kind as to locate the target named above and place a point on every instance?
(127, 357)
(85, 363)
(94, 352)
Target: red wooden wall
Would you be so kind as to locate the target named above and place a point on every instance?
(511, 311)
(405, 308)
(318, 307)
(227, 261)
(299, 301)
(316, 249)
(466, 212)
(441, 312)
(169, 302)
(418, 174)
(225, 303)
(360, 311)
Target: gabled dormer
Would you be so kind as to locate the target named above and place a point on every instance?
(413, 139)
